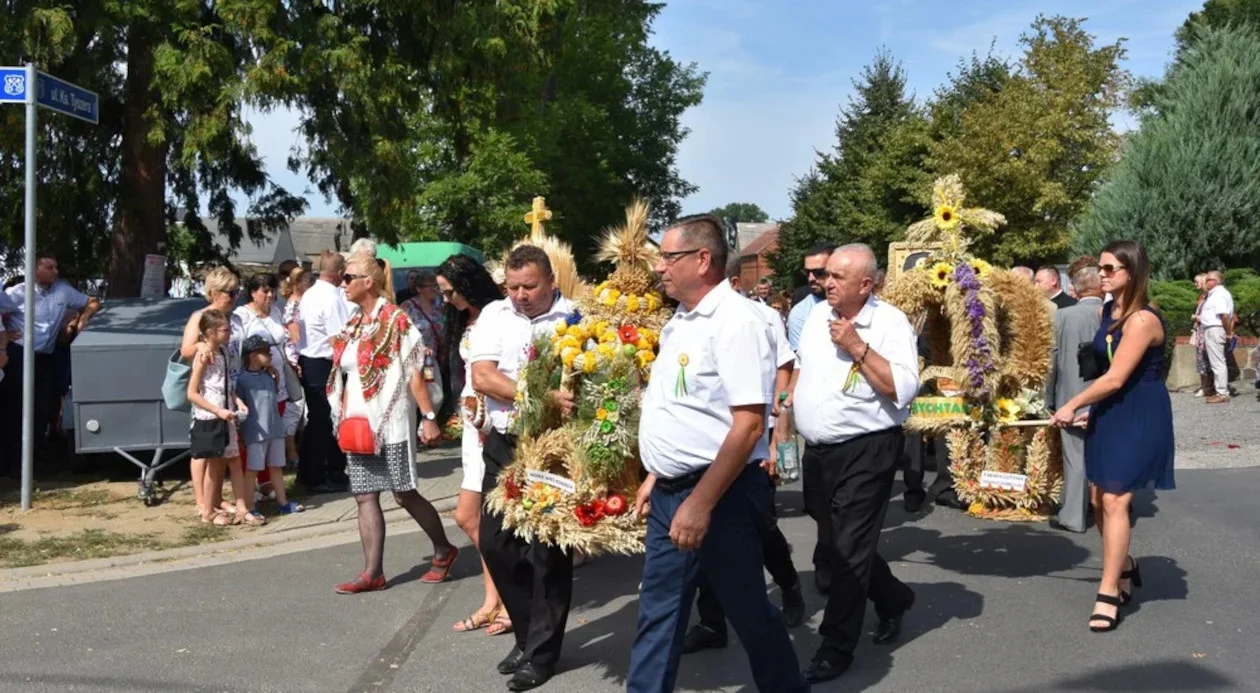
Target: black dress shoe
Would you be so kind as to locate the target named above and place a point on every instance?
(529, 677)
(512, 662)
(793, 605)
(822, 580)
(702, 637)
(824, 669)
(914, 500)
(889, 629)
(950, 499)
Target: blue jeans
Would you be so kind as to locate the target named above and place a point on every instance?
(731, 560)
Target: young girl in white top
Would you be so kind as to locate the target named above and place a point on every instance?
(215, 410)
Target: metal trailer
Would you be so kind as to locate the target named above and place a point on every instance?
(117, 367)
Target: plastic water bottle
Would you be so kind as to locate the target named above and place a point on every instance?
(789, 462)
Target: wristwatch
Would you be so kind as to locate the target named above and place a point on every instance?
(430, 416)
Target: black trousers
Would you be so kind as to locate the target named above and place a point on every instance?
(915, 466)
(534, 580)
(848, 498)
(11, 409)
(321, 460)
(776, 556)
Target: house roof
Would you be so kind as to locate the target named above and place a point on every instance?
(762, 243)
(747, 232)
(304, 239)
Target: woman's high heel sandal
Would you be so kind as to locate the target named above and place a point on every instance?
(1134, 576)
(1112, 622)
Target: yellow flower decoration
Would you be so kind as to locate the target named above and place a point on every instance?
(982, 268)
(609, 337)
(653, 302)
(589, 365)
(645, 358)
(947, 218)
(1007, 410)
(683, 360)
(567, 356)
(632, 303)
(561, 328)
(601, 413)
(578, 333)
(600, 328)
(643, 343)
(940, 274)
(570, 342)
(606, 350)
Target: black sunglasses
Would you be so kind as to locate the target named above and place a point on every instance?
(819, 273)
(1110, 268)
(347, 278)
(670, 257)
(447, 293)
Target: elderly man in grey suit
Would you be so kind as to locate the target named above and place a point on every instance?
(1073, 326)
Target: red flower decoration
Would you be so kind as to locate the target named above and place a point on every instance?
(585, 515)
(532, 354)
(511, 490)
(629, 334)
(381, 361)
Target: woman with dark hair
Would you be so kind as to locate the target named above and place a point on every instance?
(1129, 437)
(467, 288)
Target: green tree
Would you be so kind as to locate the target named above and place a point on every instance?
(864, 190)
(444, 119)
(1188, 185)
(742, 212)
(173, 78)
(1217, 14)
(1035, 149)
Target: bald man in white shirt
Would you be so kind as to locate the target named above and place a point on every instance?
(701, 433)
(857, 371)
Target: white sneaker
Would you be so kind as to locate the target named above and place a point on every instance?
(1198, 392)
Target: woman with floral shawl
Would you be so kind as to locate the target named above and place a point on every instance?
(377, 358)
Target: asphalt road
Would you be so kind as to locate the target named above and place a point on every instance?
(1001, 607)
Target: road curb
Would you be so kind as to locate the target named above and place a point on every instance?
(13, 579)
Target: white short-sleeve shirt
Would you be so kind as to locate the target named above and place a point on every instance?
(1219, 302)
(825, 413)
(729, 362)
(324, 312)
(503, 335)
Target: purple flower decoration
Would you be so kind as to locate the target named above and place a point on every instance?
(980, 363)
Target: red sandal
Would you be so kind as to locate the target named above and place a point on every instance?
(440, 569)
(362, 583)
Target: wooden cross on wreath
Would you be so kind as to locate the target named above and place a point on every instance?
(537, 217)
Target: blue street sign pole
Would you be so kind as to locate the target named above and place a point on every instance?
(28, 325)
(32, 88)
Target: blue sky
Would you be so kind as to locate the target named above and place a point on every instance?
(780, 70)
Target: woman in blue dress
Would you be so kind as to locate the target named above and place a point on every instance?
(1129, 437)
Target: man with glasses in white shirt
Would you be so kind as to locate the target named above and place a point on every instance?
(701, 434)
(857, 371)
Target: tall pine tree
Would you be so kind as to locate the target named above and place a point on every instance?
(1188, 185)
(862, 191)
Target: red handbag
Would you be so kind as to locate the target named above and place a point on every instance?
(354, 436)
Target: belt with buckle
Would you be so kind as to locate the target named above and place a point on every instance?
(681, 483)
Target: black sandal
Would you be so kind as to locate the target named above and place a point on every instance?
(1113, 622)
(1134, 576)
